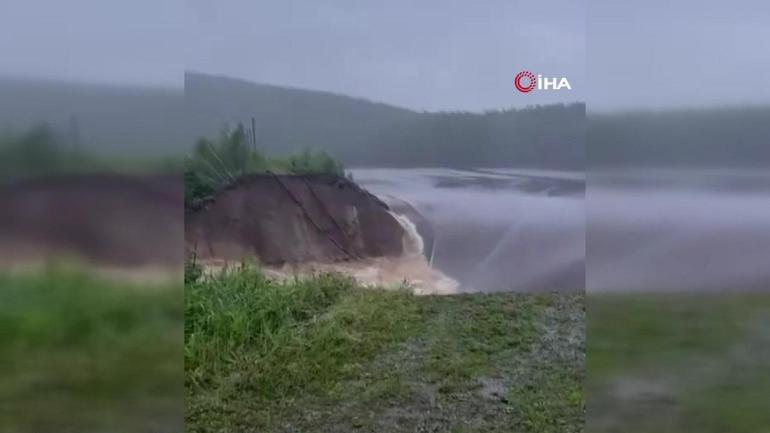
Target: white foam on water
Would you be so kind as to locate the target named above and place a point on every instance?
(379, 272)
(413, 243)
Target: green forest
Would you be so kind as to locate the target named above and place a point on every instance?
(737, 136)
(365, 133)
(156, 123)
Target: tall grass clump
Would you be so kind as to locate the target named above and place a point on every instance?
(81, 353)
(239, 309)
(276, 338)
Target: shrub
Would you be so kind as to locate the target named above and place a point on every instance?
(215, 164)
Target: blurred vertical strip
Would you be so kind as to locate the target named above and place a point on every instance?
(91, 217)
(678, 197)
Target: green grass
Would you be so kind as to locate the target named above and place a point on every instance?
(81, 354)
(468, 334)
(215, 164)
(322, 354)
(241, 318)
(699, 362)
(628, 331)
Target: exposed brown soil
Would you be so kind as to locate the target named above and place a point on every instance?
(282, 219)
(105, 219)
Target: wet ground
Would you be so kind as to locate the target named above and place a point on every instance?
(678, 363)
(480, 363)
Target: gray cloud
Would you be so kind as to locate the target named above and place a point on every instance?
(433, 54)
(129, 42)
(684, 53)
(437, 54)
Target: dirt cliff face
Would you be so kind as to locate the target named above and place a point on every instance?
(281, 219)
(108, 219)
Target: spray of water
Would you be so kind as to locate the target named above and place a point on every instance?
(413, 243)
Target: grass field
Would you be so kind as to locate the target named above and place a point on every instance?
(678, 363)
(81, 354)
(323, 355)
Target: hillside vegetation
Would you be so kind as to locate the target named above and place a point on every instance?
(215, 164)
(360, 132)
(42, 150)
(737, 136)
(322, 354)
(157, 122)
(105, 120)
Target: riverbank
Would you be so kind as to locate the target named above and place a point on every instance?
(281, 219)
(298, 225)
(324, 355)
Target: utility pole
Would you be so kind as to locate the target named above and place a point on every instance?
(253, 134)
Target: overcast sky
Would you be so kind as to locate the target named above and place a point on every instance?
(428, 54)
(683, 53)
(136, 42)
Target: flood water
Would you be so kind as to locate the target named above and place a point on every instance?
(496, 229)
(678, 230)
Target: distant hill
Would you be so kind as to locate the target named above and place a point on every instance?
(365, 133)
(716, 137)
(287, 119)
(147, 122)
(104, 119)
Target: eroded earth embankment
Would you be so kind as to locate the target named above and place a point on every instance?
(110, 220)
(297, 224)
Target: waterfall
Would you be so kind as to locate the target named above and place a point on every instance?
(413, 243)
